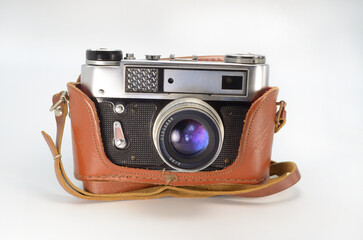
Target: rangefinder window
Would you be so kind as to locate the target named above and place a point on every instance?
(232, 82)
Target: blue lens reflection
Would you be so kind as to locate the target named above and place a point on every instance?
(189, 137)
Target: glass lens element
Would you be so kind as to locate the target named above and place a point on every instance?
(189, 137)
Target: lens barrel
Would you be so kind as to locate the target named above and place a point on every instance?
(188, 134)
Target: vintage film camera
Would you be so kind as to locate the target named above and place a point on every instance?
(178, 114)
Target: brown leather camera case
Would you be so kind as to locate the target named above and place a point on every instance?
(248, 176)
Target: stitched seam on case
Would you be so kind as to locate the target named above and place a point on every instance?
(98, 151)
(244, 149)
(196, 180)
(182, 178)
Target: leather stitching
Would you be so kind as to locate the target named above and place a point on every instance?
(182, 178)
(245, 145)
(98, 151)
(159, 178)
(127, 177)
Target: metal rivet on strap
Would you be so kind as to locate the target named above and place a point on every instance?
(58, 156)
(64, 98)
(58, 111)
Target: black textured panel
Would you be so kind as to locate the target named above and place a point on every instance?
(136, 124)
(233, 117)
(137, 121)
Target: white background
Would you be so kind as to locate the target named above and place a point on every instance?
(315, 52)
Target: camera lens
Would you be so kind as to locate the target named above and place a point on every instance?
(189, 137)
(188, 134)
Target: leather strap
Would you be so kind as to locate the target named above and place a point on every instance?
(287, 174)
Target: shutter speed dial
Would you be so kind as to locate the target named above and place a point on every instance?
(103, 57)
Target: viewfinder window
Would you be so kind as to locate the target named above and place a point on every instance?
(232, 82)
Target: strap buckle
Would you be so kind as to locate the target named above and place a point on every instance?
(279, 119)
(56, 107)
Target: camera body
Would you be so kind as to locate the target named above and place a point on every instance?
(182, 114)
